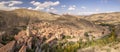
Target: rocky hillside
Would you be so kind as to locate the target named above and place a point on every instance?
(35, 14)
(109, 18)
(24, 30)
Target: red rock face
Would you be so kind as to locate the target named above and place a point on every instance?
(1, 45)
(8, 47)
(23, 49)
(21, 37)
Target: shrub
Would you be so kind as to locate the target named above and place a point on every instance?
(86, 34)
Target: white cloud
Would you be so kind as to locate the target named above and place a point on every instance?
(3, 2)
(73, 7)
(63, 6)
(12, 8)
(83, 7)
(94, 12)
(53, 10)
(41, 6)
(30, 8)
(97, 9)
(110, 11)
(3, 7)
(12, 3)
(9, 5)
(104, 1)
(56, 3)
(88, 13)
(38, 8)
(67, 13)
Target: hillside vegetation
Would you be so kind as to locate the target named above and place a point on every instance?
(24, 30)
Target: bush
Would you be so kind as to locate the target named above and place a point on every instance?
(73, 46)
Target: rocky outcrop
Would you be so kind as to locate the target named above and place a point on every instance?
(1, 34)
(1, 45)
(23, 49)
(8, 47)
(117, 30)
(21, 37)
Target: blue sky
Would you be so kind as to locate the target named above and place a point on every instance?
(76, 7)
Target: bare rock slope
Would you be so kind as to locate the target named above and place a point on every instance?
(109, 18)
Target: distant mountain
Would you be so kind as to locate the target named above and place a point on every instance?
(111, 18)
